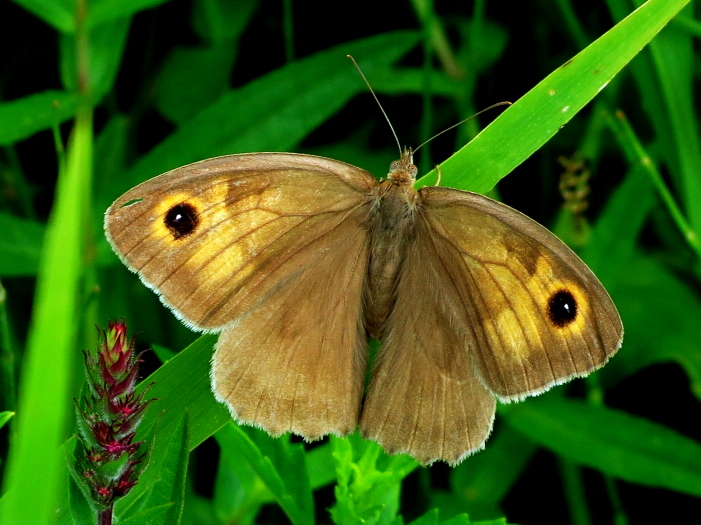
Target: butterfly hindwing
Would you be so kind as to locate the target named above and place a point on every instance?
(424, 396)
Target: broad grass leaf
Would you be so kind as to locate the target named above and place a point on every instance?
(35, 468)
(23, 117)
(614, 442)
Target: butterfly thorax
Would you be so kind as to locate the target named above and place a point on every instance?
(391, 224)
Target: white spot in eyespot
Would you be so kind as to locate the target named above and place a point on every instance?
(565, 109)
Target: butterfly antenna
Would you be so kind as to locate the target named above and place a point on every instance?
(381, 108)
(505, 103)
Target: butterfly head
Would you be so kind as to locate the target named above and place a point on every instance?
(403, 172)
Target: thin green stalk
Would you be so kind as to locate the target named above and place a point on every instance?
(8, 357)
(693, 27)
(427, 105)
(574, 492)
(438, 37)
(575, 30)
(19, 183)
(636, 154)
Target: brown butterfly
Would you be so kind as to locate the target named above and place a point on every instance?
(297, 260)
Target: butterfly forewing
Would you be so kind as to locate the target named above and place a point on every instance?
(540, 316)
(214, 237)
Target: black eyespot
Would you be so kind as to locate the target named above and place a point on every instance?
(182, 219)
(562, 308)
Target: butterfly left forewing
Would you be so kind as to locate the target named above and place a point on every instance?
(213, 237)
(539, 314)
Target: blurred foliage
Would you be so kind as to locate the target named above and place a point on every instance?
(99, 95)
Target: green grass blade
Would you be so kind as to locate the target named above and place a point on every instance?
(614, 442)
(541, 112)
(35, 459)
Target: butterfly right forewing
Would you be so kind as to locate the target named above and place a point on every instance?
(541, 316)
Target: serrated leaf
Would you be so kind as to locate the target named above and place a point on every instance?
(369, 481)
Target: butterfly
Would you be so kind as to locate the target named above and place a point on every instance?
(297, 260)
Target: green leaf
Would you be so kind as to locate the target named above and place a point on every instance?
(23, 117)
(221, 20)
(169, 470)
(238, 491)
(35, 465)
(369, 481)
(280, 466)
(150, 515)
(263, 116)
(102, 11)
(59, 14)
(320, 465)
(107, 43)
(5, 417)
(20, 245)
(177, 97)
(650, 298)
(474, 481)
(614, 442)
(539, 114)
